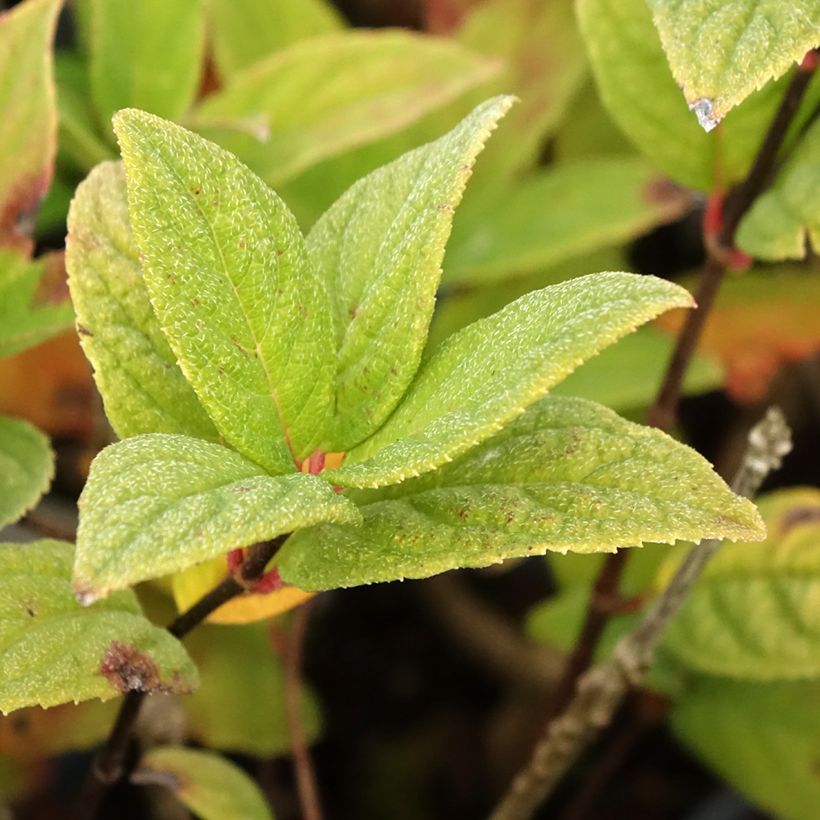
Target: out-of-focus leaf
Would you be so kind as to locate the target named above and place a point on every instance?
(567, 475)
(242, 32)
(486, 374)
(760, 321)
(145, 55)
(156, 504)
(241, 671)
(209, 785)
(26, 468)
(136, 371)
(786, 218)
(721, 52)
(32, 303)
(51, 217)
(763, 738)
(191, 584)
(558, 214)
(755, 612)
(53, 651)
(229, 278)
(379, 251)
(329, 94)
(28, 116)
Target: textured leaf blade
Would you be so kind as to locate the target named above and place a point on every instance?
(54, 651)
(207, 784)
(486, 374)
(145, 55)
(157, 504)
(230, 281)
(379, 251)
(143, 389)
(26, 468)
(721, 52)
(372, 84)
(568, 475)
(755, 612)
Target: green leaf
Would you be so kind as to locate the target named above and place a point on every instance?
(229, 278)
(326, 95)
(567, 475)
(207, 784)
(240, 670)
(136, 371)
(28, 114)
(379, 251)
(157, 504)
(786, 218)
(560, 213)
(721, 52)
(26, 468)
(54, 651)
(28, 315)
(763, 738)
(486, 374)
(755, 613)
(245, 31)
(145, 55)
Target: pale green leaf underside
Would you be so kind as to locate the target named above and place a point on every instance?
(26, 318)
(721, 52)
(567, 475)
(484, 375)
(379, 250)
(157, 504)
(786, 218)
(54, 651)
(228, 274)
(244, 31)
(755, 613)
(558, 214)
(210, 786)
(136, 371)
(763, 738)
(326, 95)
(145, 55)
(26, 468)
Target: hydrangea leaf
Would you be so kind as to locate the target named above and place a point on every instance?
(28, 115)
(568, 475)
(157, 504)
(486, 374)
(26, 468)
(558, 214)
(379, 251)
(244, 31)
(229, 279)
(372, 84)
(29, 312)
(145, 55)
(755, 613)
(240, 670)
(52, 650)
(210, 786)
(136, 371)
(786, 218)
(721, 52)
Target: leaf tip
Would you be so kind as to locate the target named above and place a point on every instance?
(85, 594)
(704, 110)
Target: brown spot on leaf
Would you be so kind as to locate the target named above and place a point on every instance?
(797, 516)
(668, 195)
(127, 669)
(83, 330)
(19, 211)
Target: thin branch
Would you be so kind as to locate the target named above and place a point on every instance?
(305, 775)
(109, 767)
(601, 689)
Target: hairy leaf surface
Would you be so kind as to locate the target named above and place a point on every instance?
(26, 468)
(157, 504)
(136, 371)
(229, 278)
(568, 475)
(54, 651)
(483, 376)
